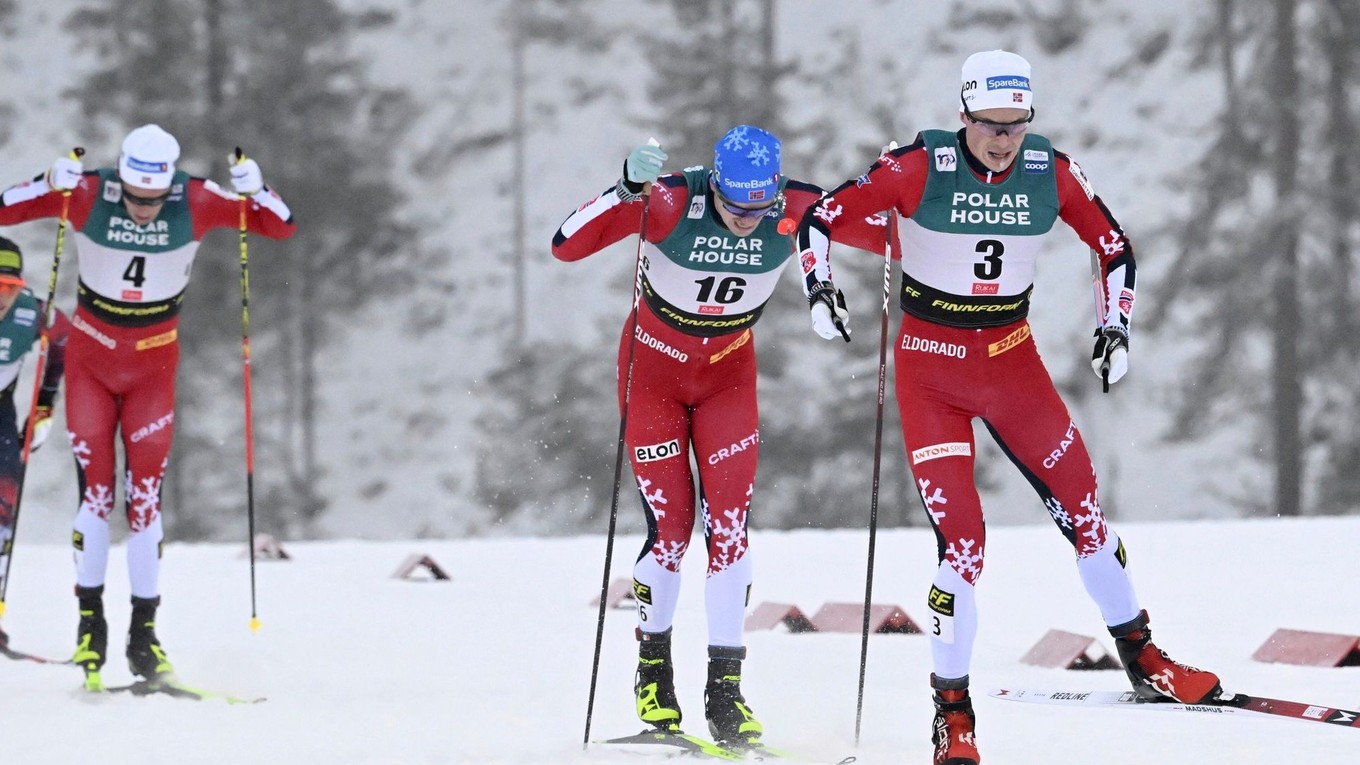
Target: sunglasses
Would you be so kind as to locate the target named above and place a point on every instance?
(10, 289)
(995, 129)
(133, 199)
(747, 212)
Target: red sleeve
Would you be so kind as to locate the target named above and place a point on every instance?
(1082, 209)
(48, 205)
(866, 233)
(895, 181)
(214, 207)
(607, 219)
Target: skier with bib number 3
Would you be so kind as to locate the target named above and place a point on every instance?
(137, 228)
(716, 242)
(976, 203)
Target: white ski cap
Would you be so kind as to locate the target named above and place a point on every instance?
(148, 158)
(996, 79)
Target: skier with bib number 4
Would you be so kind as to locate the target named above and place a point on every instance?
(716, 242)
(137, 229)
(976, 203)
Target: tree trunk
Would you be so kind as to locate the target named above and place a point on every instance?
(1286, 330)
(518, 87)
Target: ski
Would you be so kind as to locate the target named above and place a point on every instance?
(175, 689)
(673, 744)
(1228, 704)
(680, 744)
(25, 656)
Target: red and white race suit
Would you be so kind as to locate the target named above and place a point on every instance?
(124, 348)
(964, 350)
(693, 386)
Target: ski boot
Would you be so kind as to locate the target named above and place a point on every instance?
(654, 684)
(92, 636)
(1155, 676)
(953, 732)
(146, 658)
(731, 722)
(4, 639)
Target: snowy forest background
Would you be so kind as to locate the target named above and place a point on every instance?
(423, 367)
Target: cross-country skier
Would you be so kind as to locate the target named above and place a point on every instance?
(716, 242)
(137, 228)
(22, 317)
(977, 202)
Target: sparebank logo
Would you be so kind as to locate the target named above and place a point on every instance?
(1008, 82)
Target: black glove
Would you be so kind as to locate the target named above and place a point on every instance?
(1110, 359)
(830, 318)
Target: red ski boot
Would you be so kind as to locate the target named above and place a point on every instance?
(953, 730)
(1156, 676)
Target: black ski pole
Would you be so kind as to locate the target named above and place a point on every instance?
(618, 460)
(891, 226)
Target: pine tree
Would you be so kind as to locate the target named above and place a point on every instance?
(1256, 244)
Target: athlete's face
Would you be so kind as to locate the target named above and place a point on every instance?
(9, 292)
(994, 135)
(143, 204)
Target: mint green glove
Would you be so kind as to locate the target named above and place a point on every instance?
(643, 166)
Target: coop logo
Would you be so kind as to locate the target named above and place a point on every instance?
(936, 451)
(1008, 82)
(1036, 161)
(946, 161)
(656, 452)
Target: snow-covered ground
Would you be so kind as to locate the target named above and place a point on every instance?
(493, 667)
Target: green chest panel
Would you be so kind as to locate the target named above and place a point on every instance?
(19, 329)
(956, 202)
(700, 242)
(109, 224)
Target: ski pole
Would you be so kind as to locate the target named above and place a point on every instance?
(891, 226)
(7, 551)
(618, 457)
(238, 158)
(1098, 287)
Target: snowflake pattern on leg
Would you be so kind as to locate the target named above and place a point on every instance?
(1092, 528)
(656, 500)
(931, 500)
(81, 449)
(962, 558)
(1059, 513)
(98, 500)
(669, 554)
(727, 535)
(144, 502)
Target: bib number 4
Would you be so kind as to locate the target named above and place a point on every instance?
(136, 271)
